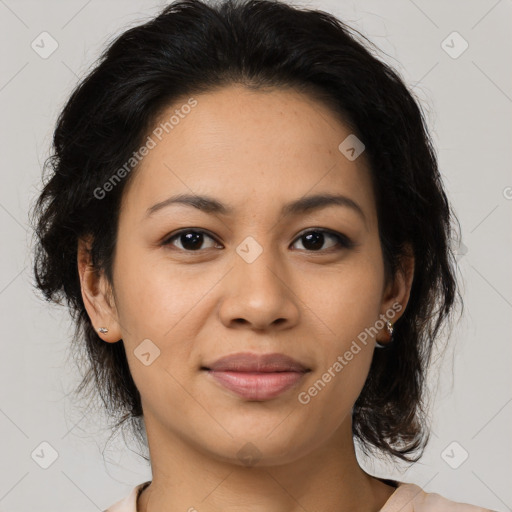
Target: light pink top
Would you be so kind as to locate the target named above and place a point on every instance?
(406, 498)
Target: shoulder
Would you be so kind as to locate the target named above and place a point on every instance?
(412, 498)
(129, 503)
(406, 498)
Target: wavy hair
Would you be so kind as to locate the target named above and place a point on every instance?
(193, 47)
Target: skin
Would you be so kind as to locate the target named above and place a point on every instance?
(253, 151)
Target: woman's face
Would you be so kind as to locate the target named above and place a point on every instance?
(250, 274)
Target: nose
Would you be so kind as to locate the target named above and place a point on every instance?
(259, 295)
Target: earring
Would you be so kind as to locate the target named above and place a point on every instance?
(103, 330)
(390, 327)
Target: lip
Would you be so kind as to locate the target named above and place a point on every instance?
(250, 362)
(257, 376)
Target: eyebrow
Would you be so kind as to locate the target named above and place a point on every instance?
(303, 205)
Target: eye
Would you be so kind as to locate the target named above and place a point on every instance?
(193, 240)
(190, 239)
(315, 238)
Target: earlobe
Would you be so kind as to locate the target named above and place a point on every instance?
(396, 295)
(96, 295)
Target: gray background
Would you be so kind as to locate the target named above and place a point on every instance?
(467, 101)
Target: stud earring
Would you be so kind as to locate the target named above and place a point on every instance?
(103, 330)
(390, 328)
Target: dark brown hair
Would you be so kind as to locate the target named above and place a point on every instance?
(191, 47)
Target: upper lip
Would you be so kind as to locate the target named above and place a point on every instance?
(250, 362)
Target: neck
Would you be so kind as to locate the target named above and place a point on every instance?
(328, 477)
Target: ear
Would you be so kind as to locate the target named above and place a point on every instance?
(97, 294)
(397, 292)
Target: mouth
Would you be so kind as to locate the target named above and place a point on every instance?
(256, 377)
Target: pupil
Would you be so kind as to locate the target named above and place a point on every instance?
(314, 240)
(193, 240)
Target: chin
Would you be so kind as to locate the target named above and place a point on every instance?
(259, 444)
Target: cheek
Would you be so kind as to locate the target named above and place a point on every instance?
(329, 397)
(154, 296)
(350, 299)
(166, 305)
(349, 310)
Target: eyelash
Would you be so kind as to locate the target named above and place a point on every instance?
(342, 240)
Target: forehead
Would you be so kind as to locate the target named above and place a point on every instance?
(244, 145)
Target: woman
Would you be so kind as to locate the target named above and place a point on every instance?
(246, 218)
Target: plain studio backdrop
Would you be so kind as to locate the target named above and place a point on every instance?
(455, 56)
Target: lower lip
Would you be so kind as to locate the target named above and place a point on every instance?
(257, 386)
